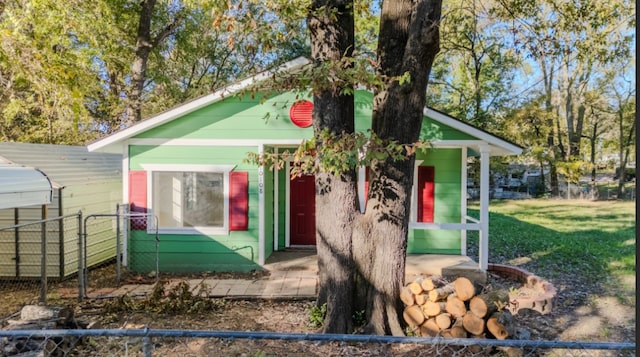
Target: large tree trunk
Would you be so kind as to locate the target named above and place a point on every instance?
(139, 67)
(332, 37)
(407, 43)
(145, 43)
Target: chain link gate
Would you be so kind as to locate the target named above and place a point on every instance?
(93, 281)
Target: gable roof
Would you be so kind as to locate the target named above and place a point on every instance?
(113, 142)
(499, 146)
(106, 144)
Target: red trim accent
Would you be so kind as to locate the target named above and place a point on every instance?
(301, 113)
(138, 198)
(366, 185)
(238, 201)
(426, 190)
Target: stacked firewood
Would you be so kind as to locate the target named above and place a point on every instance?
(436, 307)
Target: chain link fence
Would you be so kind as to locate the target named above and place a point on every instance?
(74, 255)
(130, 264)
(147, 342)
(35, 255)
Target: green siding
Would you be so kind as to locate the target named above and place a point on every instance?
(190, 253)
(447, 209)
(193, 253)
(248, 118)
(432, 129)
(234, 118)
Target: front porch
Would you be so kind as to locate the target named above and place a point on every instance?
(416, 264)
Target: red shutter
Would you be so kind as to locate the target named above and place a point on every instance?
(426, 189)
(238, 201)
(138, 198)
(366, 185)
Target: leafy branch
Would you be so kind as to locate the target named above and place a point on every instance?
(338, 153)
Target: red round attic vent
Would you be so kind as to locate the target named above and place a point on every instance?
(300, 113)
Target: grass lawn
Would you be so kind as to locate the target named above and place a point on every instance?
(568, 242)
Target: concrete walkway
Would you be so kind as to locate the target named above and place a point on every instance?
(293, 275)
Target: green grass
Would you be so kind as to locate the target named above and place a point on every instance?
(580, 241)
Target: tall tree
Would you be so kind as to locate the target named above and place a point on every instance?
(408, 42)
(147, 40)
(45, 70)
(569, 43)
(361, 256)
(474, 72)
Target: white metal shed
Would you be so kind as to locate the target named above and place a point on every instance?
(78, 181)
(22, 186)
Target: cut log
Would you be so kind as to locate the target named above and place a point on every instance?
(464, 288)
(441, 293)
(415, 286)
(443, 321)
(431, 308)
(500, 325)
(37, 312)
(432, 282)
(429, 328)
(455, 306)
(486, 304)
(473, 324)
(31, 325)
(407, 297)
(421, 298)
(457, 330)
(413, 315)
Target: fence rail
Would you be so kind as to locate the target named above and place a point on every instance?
(149, 341)
(39, 256)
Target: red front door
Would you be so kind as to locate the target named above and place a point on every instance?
(303, 211)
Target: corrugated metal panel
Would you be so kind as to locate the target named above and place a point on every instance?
(65, 164)
(22, 186)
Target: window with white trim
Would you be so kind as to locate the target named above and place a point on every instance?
(189, 199)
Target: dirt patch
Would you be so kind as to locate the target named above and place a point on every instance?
(581, 312)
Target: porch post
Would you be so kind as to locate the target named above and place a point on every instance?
(463, 200)
(483, 248)
(261, 211)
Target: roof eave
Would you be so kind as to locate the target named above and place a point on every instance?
(113, 143)
(499, 147)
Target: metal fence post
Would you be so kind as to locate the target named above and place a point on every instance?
(43, 258)
(147, 347)
(80, 268)
(118, 258)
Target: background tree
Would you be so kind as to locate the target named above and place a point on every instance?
(568, 43)
(474, 72)
(45, 70)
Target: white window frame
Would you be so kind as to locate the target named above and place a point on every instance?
(413, 214)
(202, 230)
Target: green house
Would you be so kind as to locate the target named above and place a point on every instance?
(208, 210)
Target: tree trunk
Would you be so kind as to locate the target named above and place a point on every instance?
(145, 43)
(332, 37)
(139, 66)
(548, 86)
(408, 42)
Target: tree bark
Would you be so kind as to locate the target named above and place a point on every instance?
(331, 24)
(145, 43)
(408, 42)
(376, 241)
